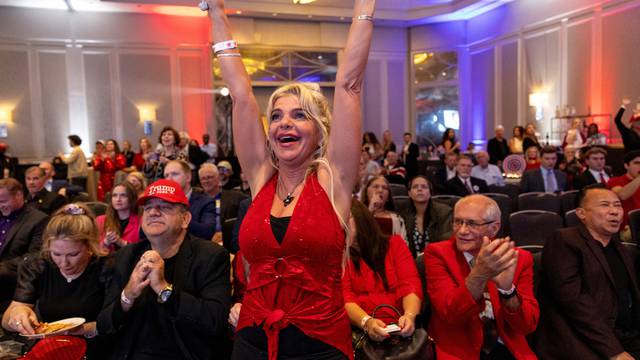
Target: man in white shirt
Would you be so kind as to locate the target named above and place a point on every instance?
(595, 158)
(490, 173)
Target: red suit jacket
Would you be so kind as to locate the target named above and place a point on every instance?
(456, 325)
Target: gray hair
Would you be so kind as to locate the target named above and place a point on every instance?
(491, 209)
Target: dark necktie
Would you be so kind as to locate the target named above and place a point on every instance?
(468, 185)
(602, 180)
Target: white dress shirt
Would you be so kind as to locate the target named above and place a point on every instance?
(491, 174)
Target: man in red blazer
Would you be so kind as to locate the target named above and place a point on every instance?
(481, 288)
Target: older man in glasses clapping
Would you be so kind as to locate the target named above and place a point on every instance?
(481, 288)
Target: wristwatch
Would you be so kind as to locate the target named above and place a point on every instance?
(165, 293)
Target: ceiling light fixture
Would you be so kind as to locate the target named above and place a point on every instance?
(302, 2)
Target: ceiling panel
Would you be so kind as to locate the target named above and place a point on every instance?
(388, 12)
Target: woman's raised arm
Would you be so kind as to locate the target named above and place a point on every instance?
(343, 150)
(248, 132)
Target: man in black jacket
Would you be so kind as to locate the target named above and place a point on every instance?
(20, 235)
(170, 296)
(595, 158)
(463, 183)
(497, 147)
(39, 197)
(409, 154)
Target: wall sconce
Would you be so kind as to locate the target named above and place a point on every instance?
(539, 101)
(5, 120)
(147, 115)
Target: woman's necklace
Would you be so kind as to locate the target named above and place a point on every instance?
(288, 199)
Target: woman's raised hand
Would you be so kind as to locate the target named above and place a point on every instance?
(364, 7)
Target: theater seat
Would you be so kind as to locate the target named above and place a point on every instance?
(539, 201)
(504, 202)
(450, 200)
(98, 208)
(533, 227)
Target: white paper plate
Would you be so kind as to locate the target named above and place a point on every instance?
(71, 323)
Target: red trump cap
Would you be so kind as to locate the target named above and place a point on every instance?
(164, 189)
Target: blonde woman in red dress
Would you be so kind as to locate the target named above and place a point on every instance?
(301, 176)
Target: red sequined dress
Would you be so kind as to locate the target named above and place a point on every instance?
(299, 282)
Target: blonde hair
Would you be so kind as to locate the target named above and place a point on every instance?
(315, 107)
(73, 222)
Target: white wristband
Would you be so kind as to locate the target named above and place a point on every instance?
(364, 320)
(125, 299)
(225, 45)
(507, 292)
(365, 17)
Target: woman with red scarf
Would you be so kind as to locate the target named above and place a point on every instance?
(301, 176)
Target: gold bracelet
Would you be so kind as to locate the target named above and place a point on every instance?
(365, 17)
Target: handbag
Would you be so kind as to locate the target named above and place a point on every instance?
(396, 347)
(58, 348)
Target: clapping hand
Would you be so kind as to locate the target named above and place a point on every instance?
(138, 279)
(112, 238)
(497, 260)
(626, 101)
(155, 264)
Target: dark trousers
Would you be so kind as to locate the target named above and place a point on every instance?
(499, 352)
(293, 344)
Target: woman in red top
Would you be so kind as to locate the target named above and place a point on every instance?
(145, 151)
(120, 225)
(381, 270)
(292, 237)
(107, 163)
(532, 156)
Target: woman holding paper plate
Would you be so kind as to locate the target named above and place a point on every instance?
(66, 281)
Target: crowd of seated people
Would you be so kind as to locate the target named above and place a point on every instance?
(152, 276)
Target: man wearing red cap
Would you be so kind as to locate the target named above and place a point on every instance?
(170, 295)
(630, 136)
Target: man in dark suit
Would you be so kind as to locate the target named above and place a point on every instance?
(20, 235)
(497, 147)
(445, 173)
(39, 197)
(227, 201)
(463, 183)
(589, 296)
(410, 153)
(546, 178)
(595, 158)
(170, 296)
(51, 183)
(201, 206)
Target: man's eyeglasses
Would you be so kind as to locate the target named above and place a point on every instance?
(457, 223)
